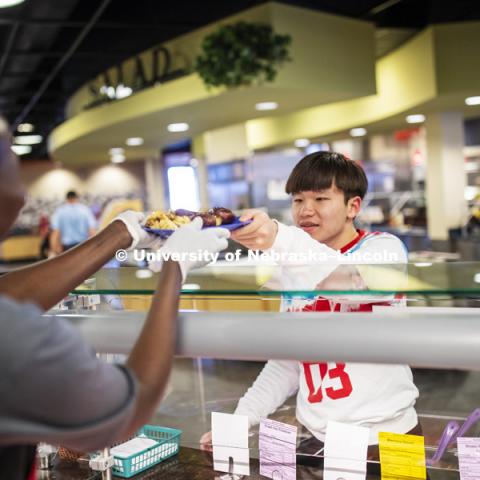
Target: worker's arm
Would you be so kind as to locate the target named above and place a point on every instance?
(151, 357)
(95, 404)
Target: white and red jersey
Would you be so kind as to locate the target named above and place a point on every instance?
(380, 397)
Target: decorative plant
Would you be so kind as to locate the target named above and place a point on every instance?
(242, 54)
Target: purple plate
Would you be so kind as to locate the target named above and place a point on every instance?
(230, 226)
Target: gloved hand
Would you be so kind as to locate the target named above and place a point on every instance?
(190, 240)
(140, 238)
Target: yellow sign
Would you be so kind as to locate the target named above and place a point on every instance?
(401, 456)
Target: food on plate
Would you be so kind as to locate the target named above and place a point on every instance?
(166, 220)
(210, 220)
(171, 220)
(225, 214)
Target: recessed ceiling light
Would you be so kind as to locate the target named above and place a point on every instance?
(108, 91)
(266, 106)
(28, 139)
(9, 3)
(178, 127)
(316, 147)
(358, 132)
(417, 118)
(473, 100)
(302, 142)
(117, 158)
(116, 151)
(21, 149)
(122, 91)
(134, 141)
(25, 128)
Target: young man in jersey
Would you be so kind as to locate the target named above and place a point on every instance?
(327, 191)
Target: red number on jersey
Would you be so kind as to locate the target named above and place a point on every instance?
(316, 395)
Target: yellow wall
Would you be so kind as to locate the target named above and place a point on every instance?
(439, 66)
(457, 57)
(225, 144)
(332, 55)
(333, 60)
(183, 50)
(163, 97)
(330, 52)
(405, 78)
(321, 43)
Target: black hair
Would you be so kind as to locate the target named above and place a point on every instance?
(71, 194)
(321, 170)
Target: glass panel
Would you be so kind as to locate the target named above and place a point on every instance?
(198, 387)
(448, 278)
(201, 386)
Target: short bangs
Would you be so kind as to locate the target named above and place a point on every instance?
(320, 170)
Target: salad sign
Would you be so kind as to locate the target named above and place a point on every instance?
(114, 85)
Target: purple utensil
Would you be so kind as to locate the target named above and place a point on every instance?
(448, 435)
(452, 432)
(471, 420)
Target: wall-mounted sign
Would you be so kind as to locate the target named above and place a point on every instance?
(114, 85)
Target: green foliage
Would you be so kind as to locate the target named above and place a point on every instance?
(242, 54)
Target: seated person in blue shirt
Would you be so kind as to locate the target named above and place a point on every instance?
(72, 223)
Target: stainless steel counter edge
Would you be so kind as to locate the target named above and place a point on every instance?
(433, 338)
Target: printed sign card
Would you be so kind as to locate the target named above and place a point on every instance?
(345, 452)
(278, 450)
(402, 455)
(230, 443)
(469, 458)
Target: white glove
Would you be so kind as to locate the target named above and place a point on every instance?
(192, 244)
(140, 238)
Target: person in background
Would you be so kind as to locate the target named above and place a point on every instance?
(53, 388)
(72, 223)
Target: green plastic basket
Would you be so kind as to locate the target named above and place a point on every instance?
(168, 444)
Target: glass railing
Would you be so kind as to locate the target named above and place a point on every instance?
(450, 278)
(199, 387)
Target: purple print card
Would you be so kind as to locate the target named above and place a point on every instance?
(278, 447)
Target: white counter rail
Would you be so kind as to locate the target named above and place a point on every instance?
(430, 337)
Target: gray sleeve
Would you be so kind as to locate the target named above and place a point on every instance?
(53, 388)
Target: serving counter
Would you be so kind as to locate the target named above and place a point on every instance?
(230, 323)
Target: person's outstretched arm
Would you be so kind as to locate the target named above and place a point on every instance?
(95, 403)
(275, 383)
(151, 357)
